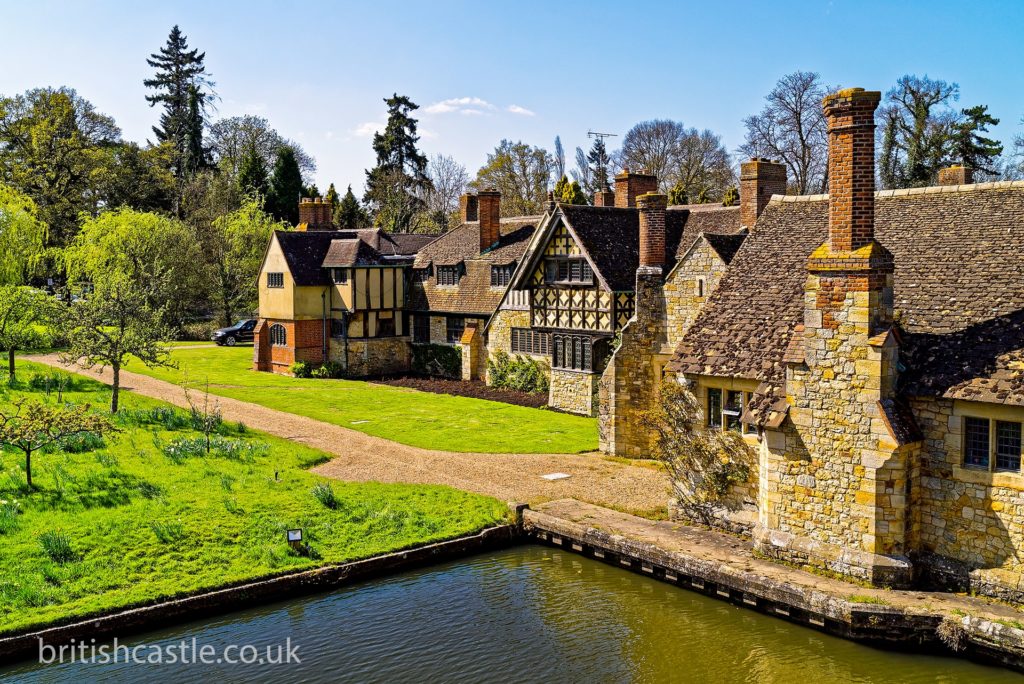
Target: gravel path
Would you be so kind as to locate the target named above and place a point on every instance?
(359, 457)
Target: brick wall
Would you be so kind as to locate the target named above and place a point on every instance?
(304, 343)
(629, 186)
(759, 180)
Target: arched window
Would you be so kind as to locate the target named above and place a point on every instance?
(278, 335)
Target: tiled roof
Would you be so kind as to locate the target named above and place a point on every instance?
(304, 252)
(351, 252)
(461, 245)
(611, 235)
(959, 291)
(725, 246)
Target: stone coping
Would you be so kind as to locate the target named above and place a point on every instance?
(907, 192)
(124, 622)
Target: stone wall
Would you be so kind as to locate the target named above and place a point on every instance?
(499, 336)
(372, 357)
(968, 524)
(573, 391)
(683, 300)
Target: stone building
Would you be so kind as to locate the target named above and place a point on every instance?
(870, 348)
(334, 295)
(572, 303)
(458, 280)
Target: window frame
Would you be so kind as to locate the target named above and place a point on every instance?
(421, 328)
(728, 418)
(501, 274)
(278, 335)
(530, 341)
(995, 459)
(275, 280)
(568, 271)
(450, 329)
(342, 272)
(574, 352)
(454, 273)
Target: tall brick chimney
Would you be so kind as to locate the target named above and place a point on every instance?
(652, 228)
(604, 197)
(489, 203)
(315, 214)
(850, 115)
(759, 180)
(956, 175)
(629, 186)
(468, 208)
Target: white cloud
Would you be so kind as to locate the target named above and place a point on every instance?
(427, 134)
(365, 130)
(523, 111)
(463, 105)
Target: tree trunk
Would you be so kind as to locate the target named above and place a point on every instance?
(28, 468)
(10, 362)
(116, 386)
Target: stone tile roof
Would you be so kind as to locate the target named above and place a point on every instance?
(959, 291)
(725, 246)
(461, 245)
(351, 252)
(611, 235)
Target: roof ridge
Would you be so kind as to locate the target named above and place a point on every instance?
(908, 192)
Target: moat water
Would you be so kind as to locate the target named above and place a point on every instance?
(528, 614)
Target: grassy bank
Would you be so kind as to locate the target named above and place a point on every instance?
(143, 514)
(422, 419)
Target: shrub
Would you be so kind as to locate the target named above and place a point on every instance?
(80, 443)
(185, 448)
(53, 381)
(57, 546)
(517, 372)
(301, 369)
(325, 495)
(165, 416)
(437, 360)
(150, 491)
(9, 512)
(167, 532)
(328, 371)
(199, 331)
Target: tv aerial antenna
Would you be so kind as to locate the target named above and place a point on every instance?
(601, 136)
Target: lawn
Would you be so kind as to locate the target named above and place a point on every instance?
(422, 419)
(147, 516)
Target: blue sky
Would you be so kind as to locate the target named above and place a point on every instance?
(482, 71)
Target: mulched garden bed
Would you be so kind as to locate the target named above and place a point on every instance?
(474, 389)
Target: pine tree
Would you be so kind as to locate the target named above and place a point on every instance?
(183, 89)
(396, 186)
(969, 147)
(349, 214)
(599, 164)
(332, 197)
(285, 187)
(252, 174)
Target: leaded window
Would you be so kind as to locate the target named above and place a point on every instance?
(278, 335)
(976, 442)
(1008, 440)
(714, 409)
(421, 328)
(501, 276)
(455, 327)
(275, 280)
(568, 271)
(448, 275)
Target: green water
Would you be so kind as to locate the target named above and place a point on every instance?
(529, 614)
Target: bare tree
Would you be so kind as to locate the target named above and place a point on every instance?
(448, 180)
(651, 146)
(791, 128)
(583, 174)
(521, 173)
(230, 138)
(702, 167)
(559, 158)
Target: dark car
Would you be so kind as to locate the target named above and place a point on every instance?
(239, 332)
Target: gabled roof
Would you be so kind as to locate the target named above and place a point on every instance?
(304, 253)
(611, 235)
(351, 252)
(959, 291)
(461, 245)
(725, 246)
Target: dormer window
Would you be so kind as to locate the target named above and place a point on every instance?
(568, 272)
(449, 275)
(501, 276)
(339, 276)
(420, 275)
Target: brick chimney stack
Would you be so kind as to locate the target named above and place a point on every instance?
(468, 208)
(315, 214)
(604, 197)
(489, 204)
(850, 115)
(629, 186)
(652, 228)
(956, 175)
(759, 180)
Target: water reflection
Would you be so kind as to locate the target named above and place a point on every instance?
(527, 614)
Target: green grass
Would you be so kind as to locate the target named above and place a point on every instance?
(119, 523)
(422, 419)
(864, 598)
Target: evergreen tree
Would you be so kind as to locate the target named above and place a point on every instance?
(349, 214)
(311, 191)
(599, 164)
(969, 147)
(183, 89)
(252, 174)
(396, 186)
(332, 197)
(569, 192)
(731, 197)
(285, 187)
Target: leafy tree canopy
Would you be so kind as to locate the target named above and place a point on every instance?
(22, 236)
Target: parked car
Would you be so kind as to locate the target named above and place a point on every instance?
(239, 332)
